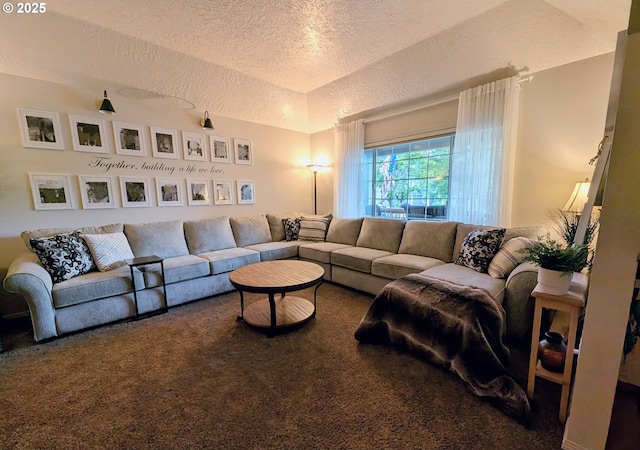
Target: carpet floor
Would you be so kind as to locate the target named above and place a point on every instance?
(196, 378)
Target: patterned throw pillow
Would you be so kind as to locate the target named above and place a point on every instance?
(479, 248)
(109, 250)
(507, 257)
(314, 228)
(64, 255)
(291, 228)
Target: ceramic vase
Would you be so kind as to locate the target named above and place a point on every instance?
(553, 282)
(552, 352)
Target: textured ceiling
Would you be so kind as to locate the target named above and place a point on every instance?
(300, 64)
(298, 44)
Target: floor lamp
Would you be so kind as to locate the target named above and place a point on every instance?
(314, 168)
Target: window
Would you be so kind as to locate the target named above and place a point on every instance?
(409, 180)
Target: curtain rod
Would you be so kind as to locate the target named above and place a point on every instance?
(439, 101)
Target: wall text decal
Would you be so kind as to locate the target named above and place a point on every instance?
(106, 164)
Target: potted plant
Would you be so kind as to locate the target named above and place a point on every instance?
(557, 263)
(566, 225)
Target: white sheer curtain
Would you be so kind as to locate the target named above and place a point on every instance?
(348, 189)
(482, 161)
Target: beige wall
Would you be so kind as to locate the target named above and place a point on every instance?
(561, 121)
(282, 183)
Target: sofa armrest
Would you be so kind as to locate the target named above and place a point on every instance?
(517, 302)
(27, 277)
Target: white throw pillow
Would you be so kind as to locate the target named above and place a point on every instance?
(109, 250)
(507, 257)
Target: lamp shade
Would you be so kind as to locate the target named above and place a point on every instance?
(315, 167)
(106, 107)
(578, 197)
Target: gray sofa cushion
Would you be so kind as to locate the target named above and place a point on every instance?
(381, 234)
(397, 266)
(275, 224)
(249, 230)
(433, 239)
(469, 277)
(207, 235)
(164, 239)
(275, 250)
(95, 285)
(222, 261)
(344, 231)
(357, 258)
(319, 251)
(178, 268)
(526, 232)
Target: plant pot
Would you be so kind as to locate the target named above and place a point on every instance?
(552, 352)
(553, 282)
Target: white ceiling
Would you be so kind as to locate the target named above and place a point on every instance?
(306, 62)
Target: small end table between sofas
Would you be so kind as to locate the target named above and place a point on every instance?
(144, 261)
(277, 277)
(571, 302)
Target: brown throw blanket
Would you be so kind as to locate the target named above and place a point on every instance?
(457, 327)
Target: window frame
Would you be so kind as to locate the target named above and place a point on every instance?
(427, 208)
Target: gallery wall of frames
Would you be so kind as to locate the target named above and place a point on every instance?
(175, 154)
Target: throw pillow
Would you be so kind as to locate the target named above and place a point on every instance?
(109, 250)
(314, 228)
(291, 229)
(48, 232)
(64, 256)
(479, 248)
(507, 257)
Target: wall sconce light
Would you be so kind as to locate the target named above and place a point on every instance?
(315, 168)
(106, 107)
(206, 122)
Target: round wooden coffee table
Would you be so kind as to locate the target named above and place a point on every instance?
(277, 277)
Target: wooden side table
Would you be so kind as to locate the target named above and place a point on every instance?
(571, 302)
(143, 261)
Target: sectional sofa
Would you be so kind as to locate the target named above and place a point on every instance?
(363, 254)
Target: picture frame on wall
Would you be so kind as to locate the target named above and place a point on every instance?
(220, 149)
(135, 192)
(130, 139)
(50, 191)
(198, 192)
(243, 151)
(193, 146)
(88, 134)
(222, 192)
(245, 192)
(40, 129)
(164, 142)
(169, 192)
(96, 192)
